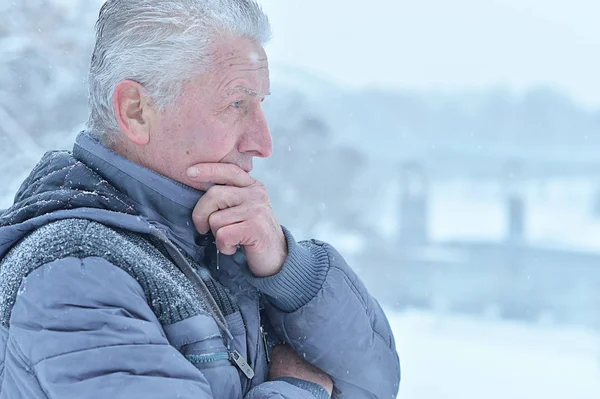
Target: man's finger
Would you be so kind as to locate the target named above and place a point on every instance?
(225, 217)
(215, 199)
(219, 173)
(229, 237)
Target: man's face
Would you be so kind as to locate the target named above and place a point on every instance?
(218, 117)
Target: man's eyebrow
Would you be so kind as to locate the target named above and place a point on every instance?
(250, 92)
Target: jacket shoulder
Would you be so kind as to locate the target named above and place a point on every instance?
(167, 290)
(60, 239)
(56, 240)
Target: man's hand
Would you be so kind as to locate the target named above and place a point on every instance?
(286, 363)
(236, 208)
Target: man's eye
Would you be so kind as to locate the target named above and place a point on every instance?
(236, 104)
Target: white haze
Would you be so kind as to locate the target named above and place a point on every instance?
(487, 112)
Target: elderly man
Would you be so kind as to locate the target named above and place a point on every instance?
(148, 263)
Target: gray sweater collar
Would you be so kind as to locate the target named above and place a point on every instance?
(161, 200)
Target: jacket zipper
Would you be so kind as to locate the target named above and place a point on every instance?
(207, 357)
(234, 356)
(241, 363)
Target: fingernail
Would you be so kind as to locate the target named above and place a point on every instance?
(193, 172)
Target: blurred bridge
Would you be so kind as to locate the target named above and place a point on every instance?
(511, 278)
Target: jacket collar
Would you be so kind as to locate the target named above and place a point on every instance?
(164, 202)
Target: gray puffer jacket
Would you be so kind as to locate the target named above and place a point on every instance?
(108, 291)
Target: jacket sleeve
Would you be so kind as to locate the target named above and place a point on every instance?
(86, 330)
(319, 306)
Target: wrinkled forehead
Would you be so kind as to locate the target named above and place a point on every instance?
(239, 50)
(249, 92)
(257, 56)
(242, 66)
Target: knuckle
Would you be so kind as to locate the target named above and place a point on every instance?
(262, 209)
(264, 197)
(197, 217)
(261, 193)
(216, 194)
(212, 170)
(212, 191)
(222, 237)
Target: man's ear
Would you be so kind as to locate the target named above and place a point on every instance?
(134, 111)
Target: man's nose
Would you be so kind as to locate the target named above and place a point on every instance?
(257, 139)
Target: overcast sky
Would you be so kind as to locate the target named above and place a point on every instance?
(441, 44)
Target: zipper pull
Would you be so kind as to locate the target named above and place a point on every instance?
(242, 364)
(218, 265)
(266, 344)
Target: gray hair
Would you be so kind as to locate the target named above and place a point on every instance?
(160, 44)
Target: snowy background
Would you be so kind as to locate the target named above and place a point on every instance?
(448, 149)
